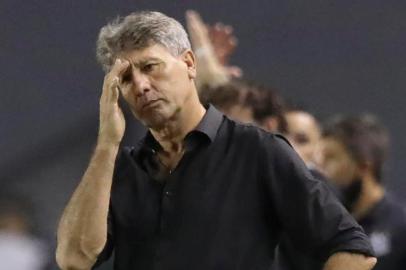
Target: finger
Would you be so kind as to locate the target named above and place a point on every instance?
(114, 91)
(228, 29)
(234, 71)
(113, 79)
(233, 41)
(217, 26)
(194, 16)
(197, 29)
(119, 67)
(192, 21)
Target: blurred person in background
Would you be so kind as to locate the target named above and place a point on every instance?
(180, 199)
(230, 98)
(248, 102)
(213, 46)
(354, 151)
(222, 85)
(19, 248)
(303, 132)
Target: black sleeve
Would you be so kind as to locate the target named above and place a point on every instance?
(108, 248)
(306, 209)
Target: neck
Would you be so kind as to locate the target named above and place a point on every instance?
(172, 134)
(372, 192)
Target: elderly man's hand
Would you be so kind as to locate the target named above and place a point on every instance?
(112, 122)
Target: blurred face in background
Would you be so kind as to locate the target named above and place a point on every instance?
(303, 133)
(342, 170)
(337, 163)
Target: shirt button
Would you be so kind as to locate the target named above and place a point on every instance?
(168, 193)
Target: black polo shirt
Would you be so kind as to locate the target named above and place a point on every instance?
(225, 205)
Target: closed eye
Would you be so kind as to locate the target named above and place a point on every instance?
(149, 67)
(301, 138)
(126, 78)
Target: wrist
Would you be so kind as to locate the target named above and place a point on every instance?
(107, 145)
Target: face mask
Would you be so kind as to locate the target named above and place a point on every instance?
(350, 194)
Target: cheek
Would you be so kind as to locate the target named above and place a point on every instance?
(129, 97)
(339, 171)
(331, 167)
(307, 151)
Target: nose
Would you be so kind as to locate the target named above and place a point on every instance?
(141, 82)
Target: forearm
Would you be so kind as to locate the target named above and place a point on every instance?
(349, 261)
(82, 231)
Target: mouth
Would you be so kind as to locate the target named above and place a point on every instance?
(150, 104)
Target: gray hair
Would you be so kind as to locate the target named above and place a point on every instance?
(137, 31)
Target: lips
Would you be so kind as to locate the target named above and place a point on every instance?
(150, 103)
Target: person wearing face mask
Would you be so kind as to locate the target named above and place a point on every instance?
(353, 152)
(354, 149)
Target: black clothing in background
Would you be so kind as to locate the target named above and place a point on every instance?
(385, 225)
(225, 205)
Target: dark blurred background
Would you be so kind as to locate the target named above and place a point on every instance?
(332, 56)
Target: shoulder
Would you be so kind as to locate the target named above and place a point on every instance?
(395, 211)
(271, 149)
(254, 135)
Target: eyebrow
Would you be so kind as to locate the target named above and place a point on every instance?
(142, 62)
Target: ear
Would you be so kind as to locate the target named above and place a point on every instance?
(270, 123)
(189, 59)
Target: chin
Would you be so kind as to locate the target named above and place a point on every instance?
(159, 118)
(156, 121)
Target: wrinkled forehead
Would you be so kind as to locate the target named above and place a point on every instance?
(152, 51)
(140, 43)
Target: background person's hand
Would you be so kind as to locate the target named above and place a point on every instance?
(209, 69)
(224, 44)
(223, 40)
(112, 122)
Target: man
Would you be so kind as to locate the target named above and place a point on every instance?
(20, 248)
(247, 102)
(217, 82)
(303, 132)
(200, 191)
(354, 152)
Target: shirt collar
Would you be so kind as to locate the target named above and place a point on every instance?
(207, 127)
(210, 122)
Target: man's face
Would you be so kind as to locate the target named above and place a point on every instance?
(157, 85)
(337, 163)
(303, 132)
